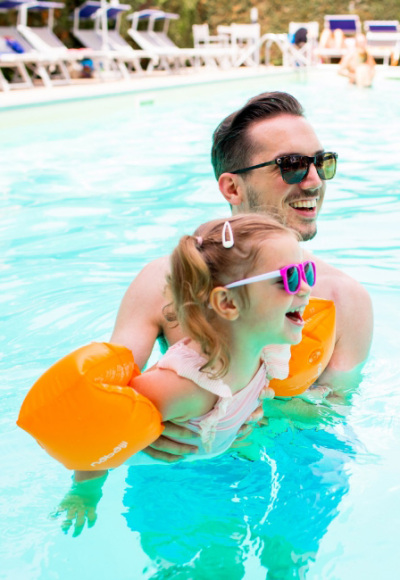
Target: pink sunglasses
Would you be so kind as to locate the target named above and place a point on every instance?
(291, 275)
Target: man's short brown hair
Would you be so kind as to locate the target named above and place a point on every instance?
(231, 148)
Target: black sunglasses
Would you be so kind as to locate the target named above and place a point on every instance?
(295, 168)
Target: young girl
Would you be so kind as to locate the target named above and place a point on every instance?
(236, 286)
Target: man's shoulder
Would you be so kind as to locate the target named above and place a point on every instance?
(333, 284)
(147, 288)
(354, 315)
(152, 277)
(159, 266)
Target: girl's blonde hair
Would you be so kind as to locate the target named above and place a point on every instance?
(200, 263)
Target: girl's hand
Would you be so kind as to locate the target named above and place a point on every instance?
(79, 505)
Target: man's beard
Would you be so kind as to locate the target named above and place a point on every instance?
(309, 235)
(255, 206)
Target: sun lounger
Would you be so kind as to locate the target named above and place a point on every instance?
(143, 32)
(105, 38)
(42, 66)
(44, 40)
(158, 43)
(383, 39)
(45, 63)
(348, 25)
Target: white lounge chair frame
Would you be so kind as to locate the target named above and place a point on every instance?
(202, 37)
(20, 76)
(383, 39)
(292, 56)
(245, 43)
(216, 48)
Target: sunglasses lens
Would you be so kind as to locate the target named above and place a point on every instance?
(293, 168)
(310, 273)
(326, 165)
(293, 279)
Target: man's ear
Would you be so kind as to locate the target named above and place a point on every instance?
(230, 185)
(223, 304)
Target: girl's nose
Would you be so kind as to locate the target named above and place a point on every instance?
(304, 288)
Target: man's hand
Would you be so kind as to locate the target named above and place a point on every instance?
(256, 418)
(165, 449)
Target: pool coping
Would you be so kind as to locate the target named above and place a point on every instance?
(84, 89)
(81, 89)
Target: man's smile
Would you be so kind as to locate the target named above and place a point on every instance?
(308, 204)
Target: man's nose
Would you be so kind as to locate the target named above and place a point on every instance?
(313, 180)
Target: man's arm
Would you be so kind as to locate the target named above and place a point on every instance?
(343, 68)
(139, 319)
(139, 323)
(354, 325)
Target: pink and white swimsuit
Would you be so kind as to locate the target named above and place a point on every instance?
(218, 428)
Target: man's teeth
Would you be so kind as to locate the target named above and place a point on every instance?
(306, 204)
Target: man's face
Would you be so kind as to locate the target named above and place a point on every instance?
(298, 205)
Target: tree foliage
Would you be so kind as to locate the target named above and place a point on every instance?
(273, 15)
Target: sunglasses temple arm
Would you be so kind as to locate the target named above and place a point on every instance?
(259, 278)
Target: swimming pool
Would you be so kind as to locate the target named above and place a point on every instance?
(91, 191)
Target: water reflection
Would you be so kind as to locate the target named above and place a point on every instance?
(227, 514)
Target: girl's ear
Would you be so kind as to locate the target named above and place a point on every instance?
(224, 304)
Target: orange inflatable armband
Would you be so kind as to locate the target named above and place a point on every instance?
(311, 356)
(84, 412)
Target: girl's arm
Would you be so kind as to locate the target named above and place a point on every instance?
(177, 398)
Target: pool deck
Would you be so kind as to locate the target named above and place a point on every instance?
(92, 88)
(143, 83)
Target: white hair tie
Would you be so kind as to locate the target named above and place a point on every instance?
(227, 240)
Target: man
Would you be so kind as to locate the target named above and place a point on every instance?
(253, 158)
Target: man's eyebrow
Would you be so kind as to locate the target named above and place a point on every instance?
(297, 153)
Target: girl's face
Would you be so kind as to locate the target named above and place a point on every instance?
(273, 316)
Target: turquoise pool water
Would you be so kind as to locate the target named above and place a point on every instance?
(91, 191)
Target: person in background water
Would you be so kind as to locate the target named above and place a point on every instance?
(358, 64)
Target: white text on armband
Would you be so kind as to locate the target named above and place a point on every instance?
(116, 450)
